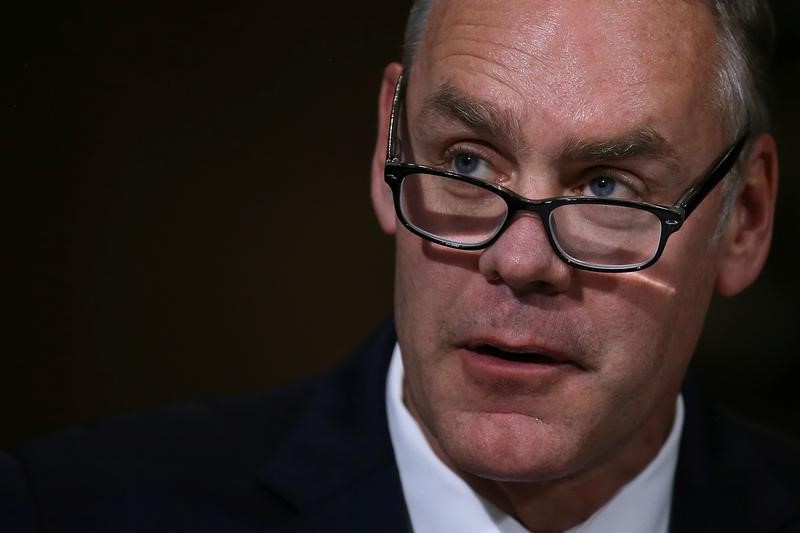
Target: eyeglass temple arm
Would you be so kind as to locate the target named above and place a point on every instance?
(391, 147)
(692, 198)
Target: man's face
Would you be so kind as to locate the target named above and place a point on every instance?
(517, 366)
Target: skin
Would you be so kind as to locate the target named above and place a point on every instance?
(551, 443)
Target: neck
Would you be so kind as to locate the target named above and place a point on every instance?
(556, 505)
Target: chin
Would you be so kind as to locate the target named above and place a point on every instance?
(507, 447)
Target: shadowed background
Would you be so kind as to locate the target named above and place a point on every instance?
(186, 209)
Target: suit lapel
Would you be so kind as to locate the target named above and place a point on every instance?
(723, 481)
(337, 467)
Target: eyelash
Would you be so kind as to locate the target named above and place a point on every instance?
(453, 151)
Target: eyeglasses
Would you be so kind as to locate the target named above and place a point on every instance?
(590, 233)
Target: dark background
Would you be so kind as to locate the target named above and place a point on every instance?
(186, 212)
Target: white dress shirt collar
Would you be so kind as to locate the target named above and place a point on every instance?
(440, 501)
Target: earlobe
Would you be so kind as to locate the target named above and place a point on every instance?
(381, 194)
(747, 240)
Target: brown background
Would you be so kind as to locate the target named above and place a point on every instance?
(186, 212)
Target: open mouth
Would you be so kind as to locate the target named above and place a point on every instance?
(516, 357)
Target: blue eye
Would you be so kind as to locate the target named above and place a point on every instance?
(466, 163)
(603, 186)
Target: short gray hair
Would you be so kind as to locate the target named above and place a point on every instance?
(745, 40)
(745, 44)
(415, 27)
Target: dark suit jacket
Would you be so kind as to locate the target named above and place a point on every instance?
(317, 457)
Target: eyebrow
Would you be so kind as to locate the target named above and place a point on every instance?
(643, 142)
(481, 115)
(504, 125)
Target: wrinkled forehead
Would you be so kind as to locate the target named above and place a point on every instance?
(579, 68)
(584, 57)
(560, 31)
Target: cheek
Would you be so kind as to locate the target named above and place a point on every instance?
(629, 342)
(652, 320)
(431, 285)
(429, 281)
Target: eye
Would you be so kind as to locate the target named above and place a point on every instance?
(471, 165)
(603, 186)
(607, 186)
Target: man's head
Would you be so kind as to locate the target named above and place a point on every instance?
(518, 366)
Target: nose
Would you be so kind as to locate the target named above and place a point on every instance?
(523, 259)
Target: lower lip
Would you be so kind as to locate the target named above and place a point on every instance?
(488, 367)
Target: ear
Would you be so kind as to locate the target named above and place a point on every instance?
(749, 229)
(382, 200)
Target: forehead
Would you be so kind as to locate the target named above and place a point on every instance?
(585, 63)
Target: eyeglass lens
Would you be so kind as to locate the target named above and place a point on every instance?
(462, 213)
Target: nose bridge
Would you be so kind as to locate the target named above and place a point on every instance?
(539, 207)
(527, 228)
(524, 208)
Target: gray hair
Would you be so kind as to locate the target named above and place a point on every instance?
(415, 28)
(745, 42)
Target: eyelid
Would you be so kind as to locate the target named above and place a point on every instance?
(471, 149)
(475, 149)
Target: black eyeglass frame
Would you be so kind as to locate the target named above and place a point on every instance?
(671, 217)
